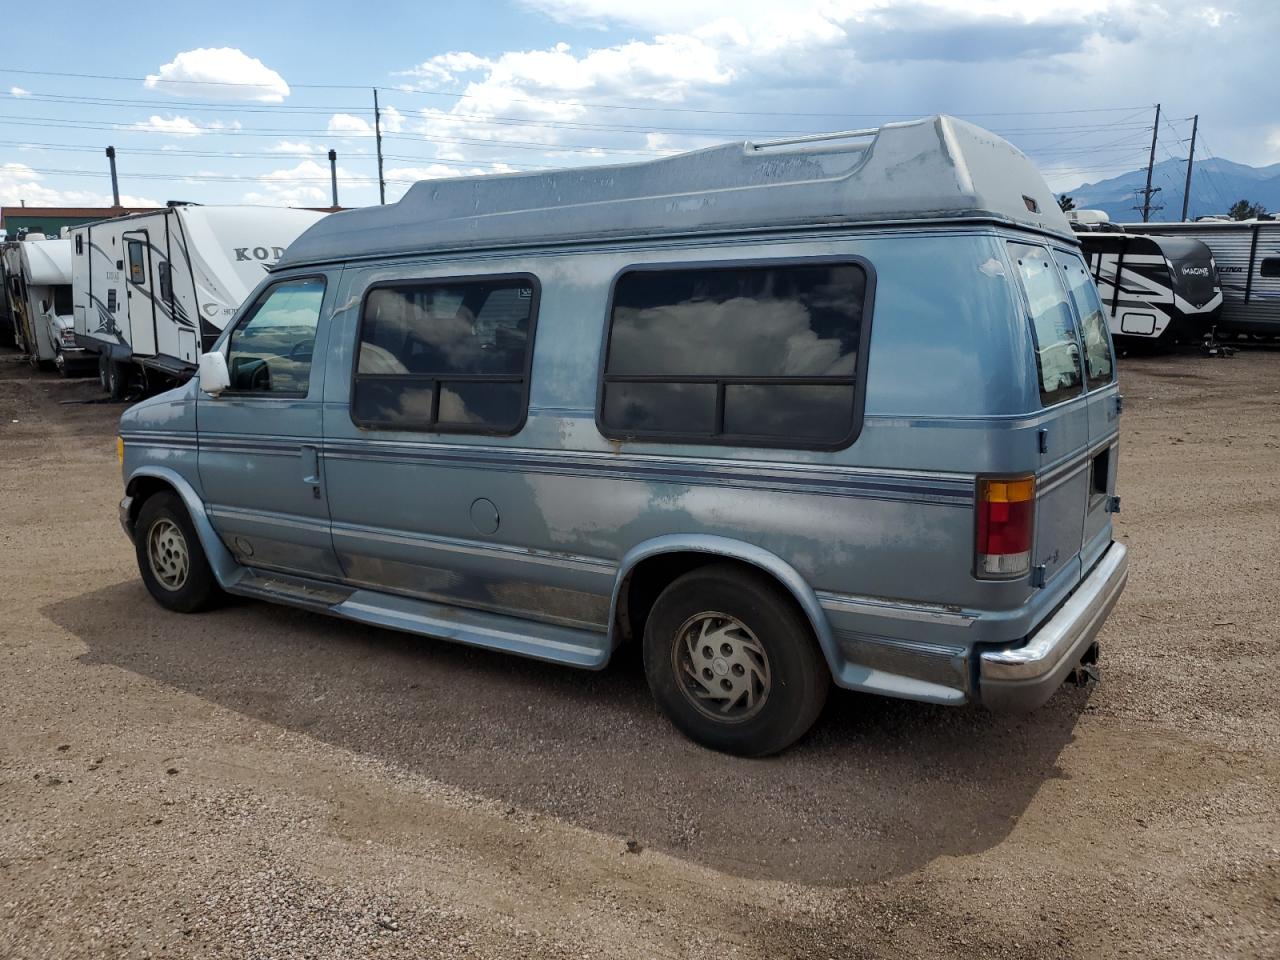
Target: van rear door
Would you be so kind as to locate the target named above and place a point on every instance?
(1062, 481)
(1103, 404)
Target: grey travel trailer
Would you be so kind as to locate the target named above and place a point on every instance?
(1153, 287)
(1247, 254)
(153, 290)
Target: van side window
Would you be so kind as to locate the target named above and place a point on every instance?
(1057, 350)
(271, 348)
(449, 356)
(761, 355)
(1098, 363)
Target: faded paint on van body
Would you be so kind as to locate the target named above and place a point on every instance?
(524, 542)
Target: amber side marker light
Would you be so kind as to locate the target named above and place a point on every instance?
(1006, 518)
(120, 450)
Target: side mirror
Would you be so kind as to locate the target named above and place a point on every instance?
(214, 377)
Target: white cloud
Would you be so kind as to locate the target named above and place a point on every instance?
(224, 72)
(180, 126)
(19, 92)
(20, 184)
(349, 125)
(289, 146)
(307, 185)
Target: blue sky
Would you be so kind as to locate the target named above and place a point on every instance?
(483, 87)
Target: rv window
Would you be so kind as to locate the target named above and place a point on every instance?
(271, 348)
(137, 262)
(79, 244)
(1057, 350)
(62, 299)
(165, 282)
(1098, 363)
(764, 355)
(1269, 268)
(449, 356)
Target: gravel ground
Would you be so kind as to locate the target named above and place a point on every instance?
(261, 782)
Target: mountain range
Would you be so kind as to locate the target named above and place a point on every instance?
(1215, 185)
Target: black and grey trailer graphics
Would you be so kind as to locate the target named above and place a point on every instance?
(1154, 288)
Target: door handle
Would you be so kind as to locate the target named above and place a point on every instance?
(311, 466)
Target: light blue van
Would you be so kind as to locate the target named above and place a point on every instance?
(837, 408)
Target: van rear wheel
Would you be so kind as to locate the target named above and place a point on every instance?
(732, 662)
(172, 562)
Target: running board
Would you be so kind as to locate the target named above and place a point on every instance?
(493, 631)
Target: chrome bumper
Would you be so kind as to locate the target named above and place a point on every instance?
(1024, 677)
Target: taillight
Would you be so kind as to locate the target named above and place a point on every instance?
(1006, 517)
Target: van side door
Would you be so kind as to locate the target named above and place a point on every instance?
(259, 441)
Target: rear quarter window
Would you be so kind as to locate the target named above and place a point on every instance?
(1052, 324)
(1098, 361)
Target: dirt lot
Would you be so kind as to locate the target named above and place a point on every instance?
(264, 782)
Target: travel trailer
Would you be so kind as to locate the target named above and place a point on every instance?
(711, 405)
(1153, 287)
(153, 290)
(38, 291)
(1247, 254)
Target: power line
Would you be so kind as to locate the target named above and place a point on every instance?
(462, 95)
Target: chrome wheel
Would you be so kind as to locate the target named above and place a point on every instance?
(723, 668)
(167, 554)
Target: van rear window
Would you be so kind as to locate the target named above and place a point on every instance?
(1098, 362)
(750, 355)
(449, 356)
(1054, 329)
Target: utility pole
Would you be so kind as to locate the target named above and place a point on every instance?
(115, 184)
(1151, 162)
(377, 132)
(1191, 157)
(333, 174)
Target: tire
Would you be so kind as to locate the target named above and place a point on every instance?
(102, 372)
(117, 380)
(181, 578)
(760, 646)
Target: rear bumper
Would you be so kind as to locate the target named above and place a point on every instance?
(1023, 677)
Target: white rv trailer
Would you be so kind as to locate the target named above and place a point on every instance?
(1153, 288)
(38, 289)
(1247, 253)
(152, 291)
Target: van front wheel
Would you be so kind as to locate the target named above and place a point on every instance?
(170, 558)
(732, 662)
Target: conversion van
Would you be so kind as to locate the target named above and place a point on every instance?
(840, 409)
(37, 274)
(152, 290)
(1161, 288)
(1247, 254)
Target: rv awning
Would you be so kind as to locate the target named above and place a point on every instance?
(47, 262)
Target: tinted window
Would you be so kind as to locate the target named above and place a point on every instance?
(1270, 267)
(271, 350)
(737, 354)
(137, 262)
(446, 355)
(1098, 362)
(62, 299)
(165, 280)
(1057, 351)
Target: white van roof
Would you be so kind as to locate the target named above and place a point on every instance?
(938, 168)
(46, 262)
